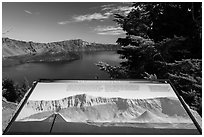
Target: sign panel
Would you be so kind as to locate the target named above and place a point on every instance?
(102, 107)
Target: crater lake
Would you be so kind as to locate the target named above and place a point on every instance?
(83, 68)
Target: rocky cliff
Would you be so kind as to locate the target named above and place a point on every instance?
(11, 47)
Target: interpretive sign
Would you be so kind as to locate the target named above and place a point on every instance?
(102, 107)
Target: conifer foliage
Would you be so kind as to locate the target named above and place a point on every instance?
(163, 40)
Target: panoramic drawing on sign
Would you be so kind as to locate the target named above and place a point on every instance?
(107, 104)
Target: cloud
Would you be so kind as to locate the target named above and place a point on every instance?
(106, 12)
(109, 30)
(107, 5)
(7, 31)
(63, 22)
(124, 10)
(90, 17)
(86, 17)
(116, 32)
(106, 8)
(28, 12)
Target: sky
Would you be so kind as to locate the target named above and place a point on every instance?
(51, 21)
(47, 91)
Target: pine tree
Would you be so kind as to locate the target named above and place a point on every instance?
(163, 40)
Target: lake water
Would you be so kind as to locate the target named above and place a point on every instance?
(83, 68)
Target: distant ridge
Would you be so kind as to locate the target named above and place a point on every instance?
(12, 47)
